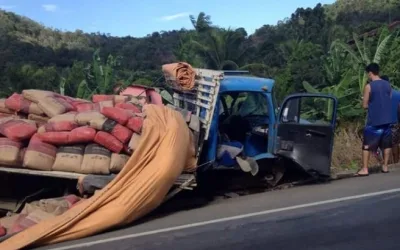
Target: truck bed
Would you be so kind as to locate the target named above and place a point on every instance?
(196, 106)
(182, 179)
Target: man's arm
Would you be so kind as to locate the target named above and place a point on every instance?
(367, 91)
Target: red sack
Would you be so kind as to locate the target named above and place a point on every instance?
(122, 133)
(18, 103)
(108, 141)
(2, 231)
(94, 106)
(100, 98)
(85, 107)
(2, 115)
(18, 130)
(58, 126)
(55, 138)
(3, 108)
(129, 106)
(119, 115)
(135, 124)
(81, 135)
(77, 102)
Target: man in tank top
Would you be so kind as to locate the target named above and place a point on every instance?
(377, 132)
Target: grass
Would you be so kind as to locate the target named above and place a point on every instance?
(347, 149)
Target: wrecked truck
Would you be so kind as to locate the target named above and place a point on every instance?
(238, 126)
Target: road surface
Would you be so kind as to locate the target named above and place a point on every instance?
(359, 213)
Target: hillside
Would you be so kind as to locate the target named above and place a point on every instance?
(32, 55)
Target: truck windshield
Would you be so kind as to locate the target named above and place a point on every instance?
(246, 104)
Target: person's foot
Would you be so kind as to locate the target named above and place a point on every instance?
(362, 172)
(385, 169)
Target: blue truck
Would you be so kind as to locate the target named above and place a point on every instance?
(239, 125)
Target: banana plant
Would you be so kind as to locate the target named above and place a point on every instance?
(341, 91)
(361, 55)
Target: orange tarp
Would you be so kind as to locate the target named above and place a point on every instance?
(165, 150)
(182, 72)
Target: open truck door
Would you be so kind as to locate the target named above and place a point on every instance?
(305, 131)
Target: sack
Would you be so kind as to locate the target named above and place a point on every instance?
(122, 133)
(55, 138)
(18, 129)
(35, 95)
(76, 102)
(9, 152)
(69, 117)
(57, 126)
(25, 221)
(135, 124)
(3, 108)
(39, 120)
(53, 106)
(121, 98)
(101, 98)
(84, 118)
(98, 123)
(115, 98)
(40, 155)
(96, 160)
(69, 158)
(94, 106)
(81, 135)
(118, 131)
(129, 106)
(118, 161)
(55, 206)
(18, 103)
(134, 142)
(3, 115)
(100, 105)
(117, 114)
(108, 141)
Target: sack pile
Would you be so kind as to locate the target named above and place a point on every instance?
(43, 130)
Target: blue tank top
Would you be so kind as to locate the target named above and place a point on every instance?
(380, 104)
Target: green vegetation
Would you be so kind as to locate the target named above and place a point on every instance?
(309, 51)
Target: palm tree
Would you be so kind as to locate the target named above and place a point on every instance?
(222, 48)
(202, 23)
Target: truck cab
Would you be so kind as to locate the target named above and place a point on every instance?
(243, 127)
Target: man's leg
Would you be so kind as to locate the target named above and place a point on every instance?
(395, 142)
(386, 156)
(365, 160)
(386, 145)
(370, 144)
(395, 153)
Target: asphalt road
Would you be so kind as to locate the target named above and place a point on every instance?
(358, 213)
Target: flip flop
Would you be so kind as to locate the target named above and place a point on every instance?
(360, 175)
(385, 172)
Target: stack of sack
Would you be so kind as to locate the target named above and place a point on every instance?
(43, 130)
